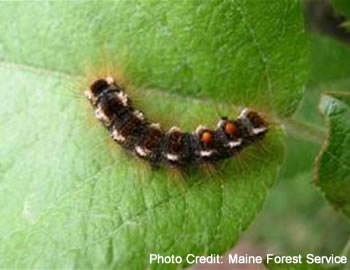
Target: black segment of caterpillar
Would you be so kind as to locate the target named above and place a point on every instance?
(130, 129)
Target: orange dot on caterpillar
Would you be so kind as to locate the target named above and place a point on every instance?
(229, 128)
(206, 137)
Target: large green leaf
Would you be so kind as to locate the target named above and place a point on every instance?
(333, 175)
(250, 52)
(71, 198)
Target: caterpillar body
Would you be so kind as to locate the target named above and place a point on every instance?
(134, 132)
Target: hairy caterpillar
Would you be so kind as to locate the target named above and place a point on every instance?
(131, 129)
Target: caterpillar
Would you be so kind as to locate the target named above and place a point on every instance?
(130, 128)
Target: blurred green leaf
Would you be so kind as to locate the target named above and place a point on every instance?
(70, 198)
(343, 6)
(330, 61)
(330, 69)
(294, 163)
(333, 175)
(311, 225)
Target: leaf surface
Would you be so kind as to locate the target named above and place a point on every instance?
(333, 175)
(69, 197)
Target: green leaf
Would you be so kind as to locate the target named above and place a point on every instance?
(335, 54)
(73, 199)
(330, 67)
(342, 6)
(333, 168)
(300, 231)
(308, 123)
(251, 53)
(334, 76)
(69, 198)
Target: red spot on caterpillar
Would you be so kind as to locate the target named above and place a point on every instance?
(229, 128)
(206, 137)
